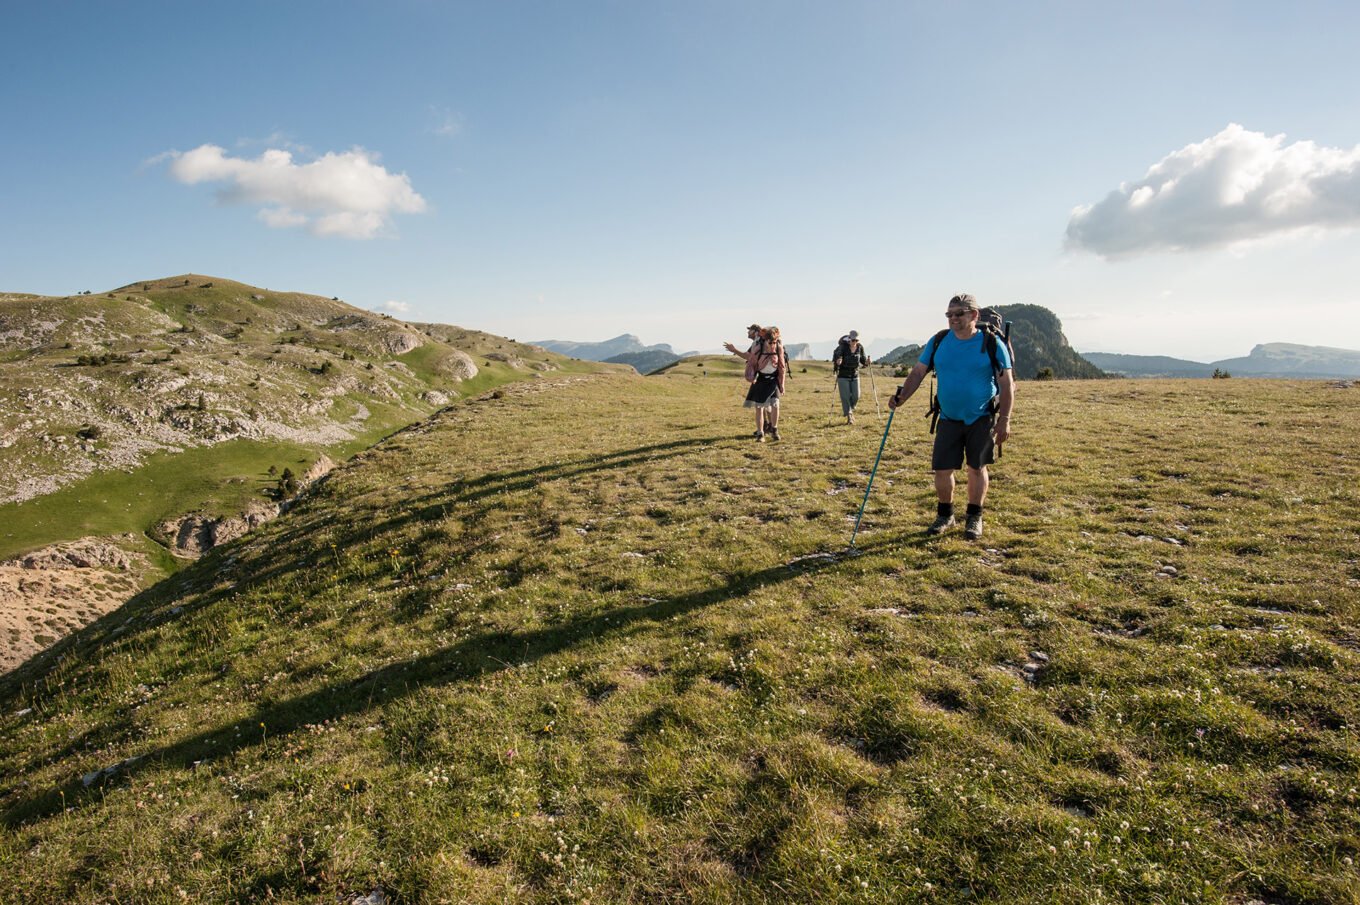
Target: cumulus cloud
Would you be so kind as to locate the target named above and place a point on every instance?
(348, 194)
(394, 306)
(1235, 187)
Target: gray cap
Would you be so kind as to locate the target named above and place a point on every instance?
(964, 300)
(853, 334)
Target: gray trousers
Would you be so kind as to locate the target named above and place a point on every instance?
(849, 389)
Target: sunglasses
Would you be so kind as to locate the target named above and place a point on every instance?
(965, 312)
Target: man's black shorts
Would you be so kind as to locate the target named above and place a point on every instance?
(954, 438)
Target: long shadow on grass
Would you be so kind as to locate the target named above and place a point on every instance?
(437, 504)
(309, 518)
(468, 660)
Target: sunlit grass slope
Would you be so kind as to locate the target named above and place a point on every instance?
(583, 639)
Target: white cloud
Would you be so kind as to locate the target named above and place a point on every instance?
(1235, 187)
(281, 217)
(347, 194)
(394, 306)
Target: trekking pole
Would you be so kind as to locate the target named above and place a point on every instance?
(870, 485)
(873, 384)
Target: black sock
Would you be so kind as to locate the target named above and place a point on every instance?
(944, 510)
(975, 509)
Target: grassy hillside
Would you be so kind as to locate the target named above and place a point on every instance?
(165, 396)
(582, 640)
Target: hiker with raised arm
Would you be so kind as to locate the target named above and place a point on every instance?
(974, 402)
(767, 367)
(847, 360)
(748, 355)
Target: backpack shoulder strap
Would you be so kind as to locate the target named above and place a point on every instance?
(935, 347)
(989, 341)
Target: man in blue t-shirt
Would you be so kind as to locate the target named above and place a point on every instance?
(975, 409)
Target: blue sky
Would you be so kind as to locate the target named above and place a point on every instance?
(1175, 179)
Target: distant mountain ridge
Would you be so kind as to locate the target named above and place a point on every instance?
(1147, 365)
(623, 344)
(648, 362)
(1265, 360)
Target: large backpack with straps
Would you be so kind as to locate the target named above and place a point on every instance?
(994, 330)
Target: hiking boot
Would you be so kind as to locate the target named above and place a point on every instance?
(973, 529)
(774, 433)
(760, 437)
(850, 418)
(941, 524)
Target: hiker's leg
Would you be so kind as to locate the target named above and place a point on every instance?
(772, 415)
(944, 486)
(978, 452)
(843, 387)
(977, 485)
(760, 420)
(854, 392)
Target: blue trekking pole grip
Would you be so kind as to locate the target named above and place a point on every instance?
(870, 485)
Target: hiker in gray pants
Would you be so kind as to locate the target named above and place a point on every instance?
(847, 361)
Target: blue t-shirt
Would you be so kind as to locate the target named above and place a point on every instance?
(966, 382)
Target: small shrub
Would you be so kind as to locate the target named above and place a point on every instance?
(287, 486)
(1220, 374)
(89, 432)
(1043, 374)
(101, 359)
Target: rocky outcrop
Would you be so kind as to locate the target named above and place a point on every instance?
(193, 534)
(86, 553)
(456, 365)
(513, 361)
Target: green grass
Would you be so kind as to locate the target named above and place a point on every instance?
(583, 640)
(219, 479)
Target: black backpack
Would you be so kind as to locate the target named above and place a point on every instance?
(843, 352)
(994, 330)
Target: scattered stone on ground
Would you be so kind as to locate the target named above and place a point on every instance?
(47, 594)
(94, 776)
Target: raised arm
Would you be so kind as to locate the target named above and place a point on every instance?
(740, 353)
